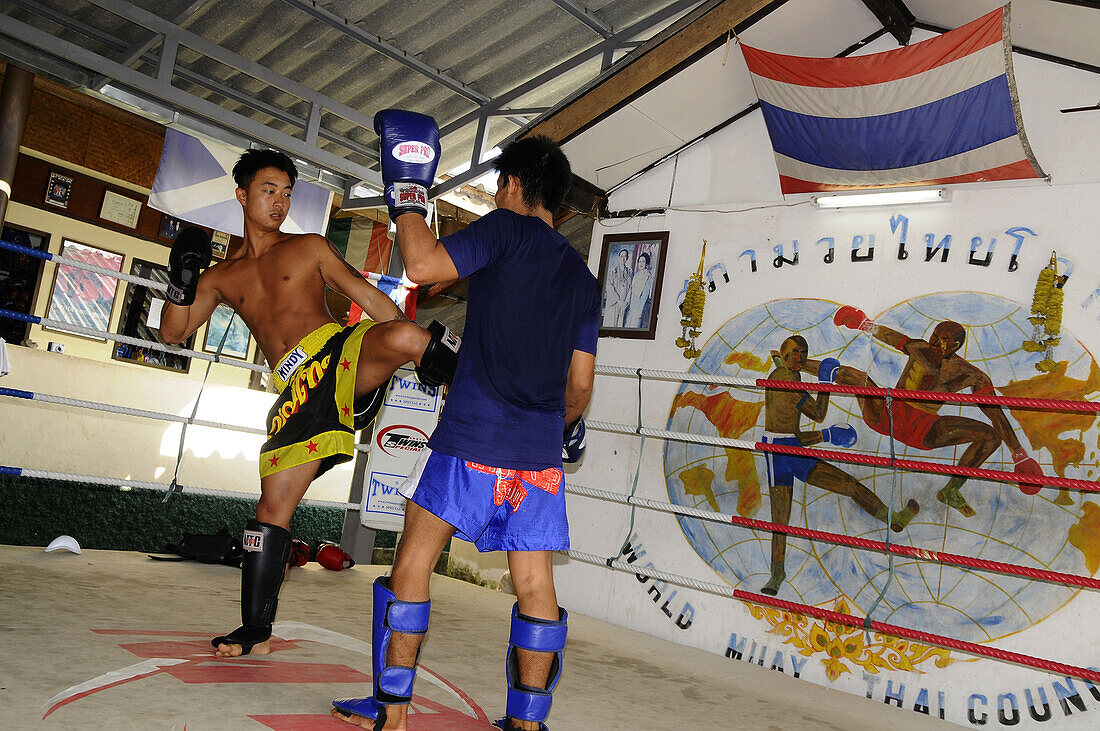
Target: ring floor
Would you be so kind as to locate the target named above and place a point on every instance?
(114, 640)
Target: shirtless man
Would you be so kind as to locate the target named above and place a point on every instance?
(327, 375)
(783, 410)
(935, 365)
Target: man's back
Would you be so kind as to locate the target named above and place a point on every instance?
(530, 293)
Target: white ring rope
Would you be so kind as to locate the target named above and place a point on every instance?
(625, 499)
(674, 435)
(127, 340)
(620, 565)
(155, 415)
(608, 370)
(132, 278)
(115, 481)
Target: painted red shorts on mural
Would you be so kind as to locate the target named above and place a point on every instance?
(189, 661)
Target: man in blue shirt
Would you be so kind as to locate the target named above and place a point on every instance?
(492, 471)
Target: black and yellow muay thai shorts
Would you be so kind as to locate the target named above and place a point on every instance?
(313, 418)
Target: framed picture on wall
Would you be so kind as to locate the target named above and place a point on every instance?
(81, 297)
(141, 309)
(632, 267)
(236, 342)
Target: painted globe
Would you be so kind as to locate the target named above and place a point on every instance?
(1055, 529)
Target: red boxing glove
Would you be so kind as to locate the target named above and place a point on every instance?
(331, 557)
(299, 553)
(851, 317)
(1026, 465)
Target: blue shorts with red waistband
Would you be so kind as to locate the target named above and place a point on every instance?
(495, 508)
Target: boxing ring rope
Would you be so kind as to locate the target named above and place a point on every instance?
(110, 408)
(853, 457)
(127, 340)
(1085, 582)
(850, 620)
(897, 393)
(68, 261)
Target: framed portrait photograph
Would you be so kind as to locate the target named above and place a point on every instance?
(81, 297)
(236, 342)
(632, 267)
(170, 227)
(58, 190)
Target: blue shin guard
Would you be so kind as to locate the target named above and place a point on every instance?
(537, 635)
(392, 683)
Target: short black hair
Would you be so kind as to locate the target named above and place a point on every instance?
(253, 161)
(648, 260)
(542, 170)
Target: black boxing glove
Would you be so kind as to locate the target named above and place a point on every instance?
(191, 253)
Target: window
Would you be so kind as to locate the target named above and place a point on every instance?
(19, 277)
(140, 300)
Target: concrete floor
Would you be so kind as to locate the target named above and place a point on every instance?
(113, 640)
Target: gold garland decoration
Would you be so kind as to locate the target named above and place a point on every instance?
(844, 647)
(694, 300)
(1046, 314)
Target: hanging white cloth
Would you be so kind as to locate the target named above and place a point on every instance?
(5, 367)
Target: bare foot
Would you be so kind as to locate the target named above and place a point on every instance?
(232, 649)
(354, 720)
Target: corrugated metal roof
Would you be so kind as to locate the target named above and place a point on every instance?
(316, 72)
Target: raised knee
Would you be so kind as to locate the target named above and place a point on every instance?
(403, 336)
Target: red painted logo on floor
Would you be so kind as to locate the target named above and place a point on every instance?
(190, 661)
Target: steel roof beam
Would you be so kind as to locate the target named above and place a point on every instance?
(140, 48)
(895, 17)
(164, 91)
(232, 60)
(351, 30)
(184, 73)
(581, 13)
(351, 202)
(616, 41)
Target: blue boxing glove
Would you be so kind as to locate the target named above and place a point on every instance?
(191, 253)
(572, 446)
(842, 435)
(409, 147)
(826, 371)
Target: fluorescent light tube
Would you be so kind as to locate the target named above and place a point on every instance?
(882, 198)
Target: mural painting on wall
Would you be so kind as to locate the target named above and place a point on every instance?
(958, 342)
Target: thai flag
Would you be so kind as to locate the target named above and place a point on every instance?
(941, 111)
(195, 183)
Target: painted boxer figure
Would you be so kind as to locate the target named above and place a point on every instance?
(492, 471)
(934, 365)
(783, 412)
(330, 378)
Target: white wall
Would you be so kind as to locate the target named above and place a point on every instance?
(733, 172)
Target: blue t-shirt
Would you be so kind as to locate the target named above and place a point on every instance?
(532, 301)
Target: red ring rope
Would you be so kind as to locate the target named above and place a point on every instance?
(920, 466)
(925, 637)
(962, 398)
(923, 554)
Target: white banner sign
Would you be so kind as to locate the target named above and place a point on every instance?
(401, 430)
